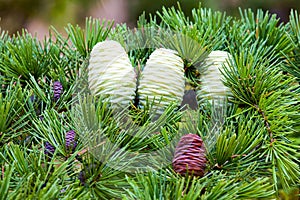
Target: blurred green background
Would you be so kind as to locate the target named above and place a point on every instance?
(38, 15)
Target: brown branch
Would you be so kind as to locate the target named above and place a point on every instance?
(3, 172)
(89, 149)
(267, 124)
(238, 155)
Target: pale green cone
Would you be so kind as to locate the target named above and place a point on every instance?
(212, 87)
(162, 80)
(110, 73)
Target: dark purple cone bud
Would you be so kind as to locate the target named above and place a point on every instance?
(32, 98)
(49, 149)
(57, 90)
(70, 139)
(190, 156)
(81, 177)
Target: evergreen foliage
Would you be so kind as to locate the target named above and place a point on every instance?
(252, 142)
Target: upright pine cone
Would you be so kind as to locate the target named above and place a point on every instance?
(70, 139)
(57, 90)
(111, 75)
(190, 156)
(162, 81)
(212, 87)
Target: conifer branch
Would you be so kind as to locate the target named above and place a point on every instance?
(242, 163)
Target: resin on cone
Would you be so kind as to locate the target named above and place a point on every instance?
(190, 156)
(110, 74)
(162, 80)
(212, 87)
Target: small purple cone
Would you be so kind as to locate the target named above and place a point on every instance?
(70, 139)
(82, 177)
(49, 149)
(57, 90)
